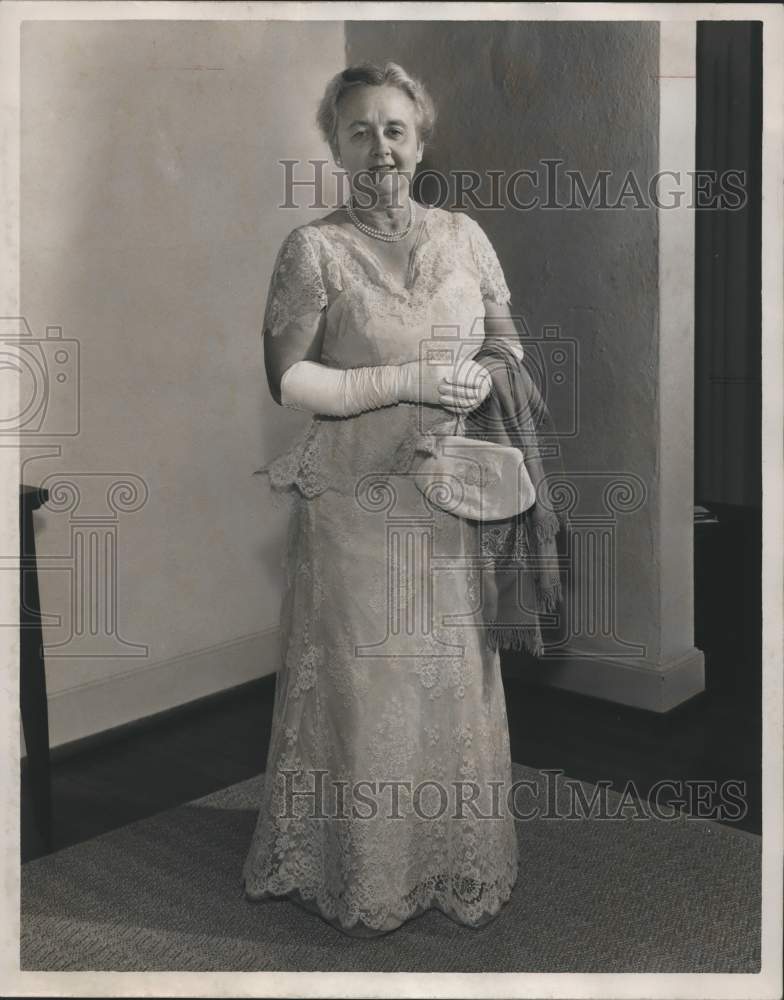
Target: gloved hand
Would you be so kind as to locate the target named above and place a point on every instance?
(317, 388)
(459, 387)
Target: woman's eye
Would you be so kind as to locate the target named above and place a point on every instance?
(396, 131)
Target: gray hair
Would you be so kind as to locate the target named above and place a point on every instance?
(372, 75)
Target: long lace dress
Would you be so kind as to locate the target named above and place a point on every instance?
(385, 674)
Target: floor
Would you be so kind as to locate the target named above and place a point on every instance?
(222, 740)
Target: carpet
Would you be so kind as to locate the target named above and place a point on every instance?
(622, 895)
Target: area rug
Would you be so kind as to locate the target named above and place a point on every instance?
(593, 895)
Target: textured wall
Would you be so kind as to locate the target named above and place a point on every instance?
(510, 94)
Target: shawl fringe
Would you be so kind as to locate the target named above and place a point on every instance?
(549, 597)
(517, 637)
(528, 540)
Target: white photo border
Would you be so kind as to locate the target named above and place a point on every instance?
(766, 984)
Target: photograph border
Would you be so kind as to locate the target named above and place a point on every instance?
(766, 984)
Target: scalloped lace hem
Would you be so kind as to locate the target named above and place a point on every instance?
(432, 893)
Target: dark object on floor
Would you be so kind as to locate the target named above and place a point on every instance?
(32, 670)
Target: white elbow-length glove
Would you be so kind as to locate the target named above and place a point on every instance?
(316, 388)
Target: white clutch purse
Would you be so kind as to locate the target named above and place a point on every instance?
(471, 478)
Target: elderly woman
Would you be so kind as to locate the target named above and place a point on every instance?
(389, 758)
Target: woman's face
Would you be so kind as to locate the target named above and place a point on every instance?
(378, 143)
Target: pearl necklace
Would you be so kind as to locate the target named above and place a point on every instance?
(380, 234)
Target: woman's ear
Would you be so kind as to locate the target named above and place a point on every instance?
(420, 151)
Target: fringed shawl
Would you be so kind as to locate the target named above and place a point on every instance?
(525, 580)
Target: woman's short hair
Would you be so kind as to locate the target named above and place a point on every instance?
(372, 75)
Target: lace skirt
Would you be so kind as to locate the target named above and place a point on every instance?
(388, 773)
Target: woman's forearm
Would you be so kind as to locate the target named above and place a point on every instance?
(338, 392)
(317, 388)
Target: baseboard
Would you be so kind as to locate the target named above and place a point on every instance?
(78, 713)
(655, 687)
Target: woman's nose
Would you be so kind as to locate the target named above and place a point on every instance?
(379, 146)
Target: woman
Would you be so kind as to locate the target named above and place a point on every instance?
(388, 699)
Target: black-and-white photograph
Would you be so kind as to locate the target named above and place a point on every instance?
(393, 397)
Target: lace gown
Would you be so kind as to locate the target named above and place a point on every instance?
(385, 675)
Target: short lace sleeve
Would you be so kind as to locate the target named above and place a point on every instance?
(296, 288)
(493, 282)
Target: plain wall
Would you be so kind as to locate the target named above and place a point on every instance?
(149, 227)
(510, 95)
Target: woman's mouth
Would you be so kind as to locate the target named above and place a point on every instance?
(377, 172)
